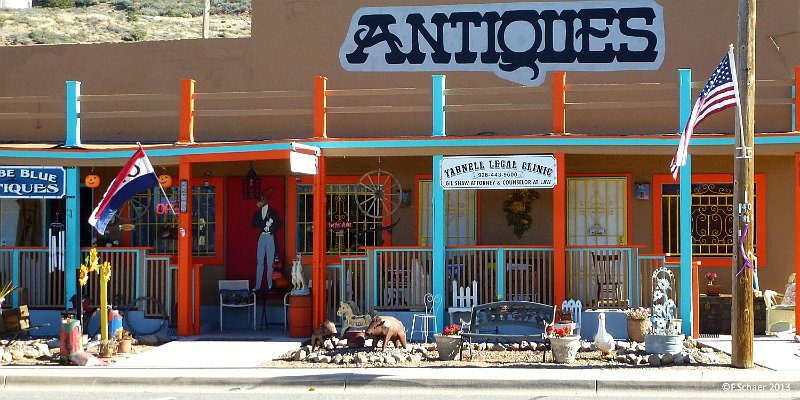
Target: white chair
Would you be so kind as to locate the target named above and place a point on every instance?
(574, 307)
(236, 293)
(427, 320)
(464, 298)
(780, 316)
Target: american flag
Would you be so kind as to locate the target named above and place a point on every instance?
(719, 93)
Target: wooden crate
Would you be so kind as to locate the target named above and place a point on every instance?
(16, 319)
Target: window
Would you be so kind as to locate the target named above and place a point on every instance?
(348, 227)
(712, 217)
(154, 224)
(462, 215)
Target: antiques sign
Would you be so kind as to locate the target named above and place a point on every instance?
(506, 172)
(32, 182)
(519, 42)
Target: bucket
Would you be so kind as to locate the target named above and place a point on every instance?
(299, 316)
(70, 338)
(663, 344)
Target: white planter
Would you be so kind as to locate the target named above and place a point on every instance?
(565, 349)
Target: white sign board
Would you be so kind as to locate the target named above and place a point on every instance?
(498, 172)
(302, 163)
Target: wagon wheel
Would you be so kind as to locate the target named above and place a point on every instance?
(134, 208)
(383, 193)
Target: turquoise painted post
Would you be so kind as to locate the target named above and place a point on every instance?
(72, 250)
(73, 114)
(501, 274)
(438, 206)
(686, 208)
(15, 277)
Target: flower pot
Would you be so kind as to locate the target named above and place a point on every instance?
(565, 349)
(124, 346)
(663, 344)
(637, 328)
(713, 290)
(448, 346)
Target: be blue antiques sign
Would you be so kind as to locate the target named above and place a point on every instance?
(32, 182)
(498, 172)
(519, 42)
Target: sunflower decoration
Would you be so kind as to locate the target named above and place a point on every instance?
(93, 265)
(517, 207)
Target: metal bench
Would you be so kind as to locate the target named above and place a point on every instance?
(523, 320)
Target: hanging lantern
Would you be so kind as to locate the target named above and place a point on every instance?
(251, 184)
(92, 181)
(165, 181)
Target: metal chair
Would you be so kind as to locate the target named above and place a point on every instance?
(237, 294)
(426, 319)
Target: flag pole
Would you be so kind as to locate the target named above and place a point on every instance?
(742, 273)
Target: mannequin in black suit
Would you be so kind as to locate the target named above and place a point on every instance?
(266, 220)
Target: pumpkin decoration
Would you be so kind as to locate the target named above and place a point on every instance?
(165, 180)
(92, 181)
(282, 283)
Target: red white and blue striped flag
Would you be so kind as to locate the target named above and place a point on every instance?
(135, 177)
(720, 92)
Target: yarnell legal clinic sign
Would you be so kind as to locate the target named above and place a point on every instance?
(498, 172)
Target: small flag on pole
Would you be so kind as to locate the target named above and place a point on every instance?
(135, 177)
(720, 92)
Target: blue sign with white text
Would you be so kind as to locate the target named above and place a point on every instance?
(32, 182)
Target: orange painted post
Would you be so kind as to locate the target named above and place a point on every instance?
(560, 232)
(695, 303)
(196, 299)
(559, 102)
(185, 315)
(320, 107)
(797, 106)
(187, 112)
(797, 226)
(319, 245)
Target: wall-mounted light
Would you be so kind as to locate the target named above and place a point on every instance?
(251, 184)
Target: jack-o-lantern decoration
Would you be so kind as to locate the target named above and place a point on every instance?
(165, 181)
(92, 181)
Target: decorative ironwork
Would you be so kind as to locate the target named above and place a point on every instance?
(663, 308)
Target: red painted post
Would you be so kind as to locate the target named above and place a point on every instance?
(320, 107)
(185, 315)
(320, 247)
(560, 232)
(559, 102)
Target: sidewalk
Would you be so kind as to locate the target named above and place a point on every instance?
(214, 364)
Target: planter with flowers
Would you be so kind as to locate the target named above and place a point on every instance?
(711, 288)
(638, 323)
(563, 344)
(448, 343)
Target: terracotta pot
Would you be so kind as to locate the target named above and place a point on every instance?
(448, 346)
(124, 346)
(637, 328)
(565, 349)
(713, 290)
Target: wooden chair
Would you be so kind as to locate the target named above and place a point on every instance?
(610, 284)
(237, 294)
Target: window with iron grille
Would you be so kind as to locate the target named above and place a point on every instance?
(155, 225)
(348, 228)
(712, 219)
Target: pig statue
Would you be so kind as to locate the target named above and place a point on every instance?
(388, 329)
(325, 330)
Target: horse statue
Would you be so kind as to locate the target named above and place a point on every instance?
(350, 320)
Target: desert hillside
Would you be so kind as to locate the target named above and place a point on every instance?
(123, 21)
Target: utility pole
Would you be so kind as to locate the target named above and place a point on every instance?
(206, 12)
(743, 254)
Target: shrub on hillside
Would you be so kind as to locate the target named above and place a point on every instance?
(181, 8)
(87, 3)
(55, 3)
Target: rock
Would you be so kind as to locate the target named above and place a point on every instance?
(31, 352)
(797, 338)
(325, 359)
(541, 347)
(524, 345)
(654, 360)
(515, 346)
(689, 343)
(481, 346)
(414, 358)
(678, 358)
(368, 342)
(149, 340)
(639, 347)
(375, 359)
(667, 359)
(643, 360)
(622, 359)
(706, 350)
(7, 357)
(17, 355)
(337, 359)
(621, 351)
(585, 346)
(399, 357)
(299, 355)
(43, 348)
(361, 358)
(390, 360)
(347, 359)
(328, 345)
(631, 358)
(621, 346)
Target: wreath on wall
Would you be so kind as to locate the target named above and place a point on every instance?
(517, 207)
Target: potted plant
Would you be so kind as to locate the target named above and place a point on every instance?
(448, 343)
(107, 348)
(124, 341)
(5, 290)
(638, 323)
(563, 343)
(711, 288)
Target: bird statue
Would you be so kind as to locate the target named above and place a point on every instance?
(602, 339)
